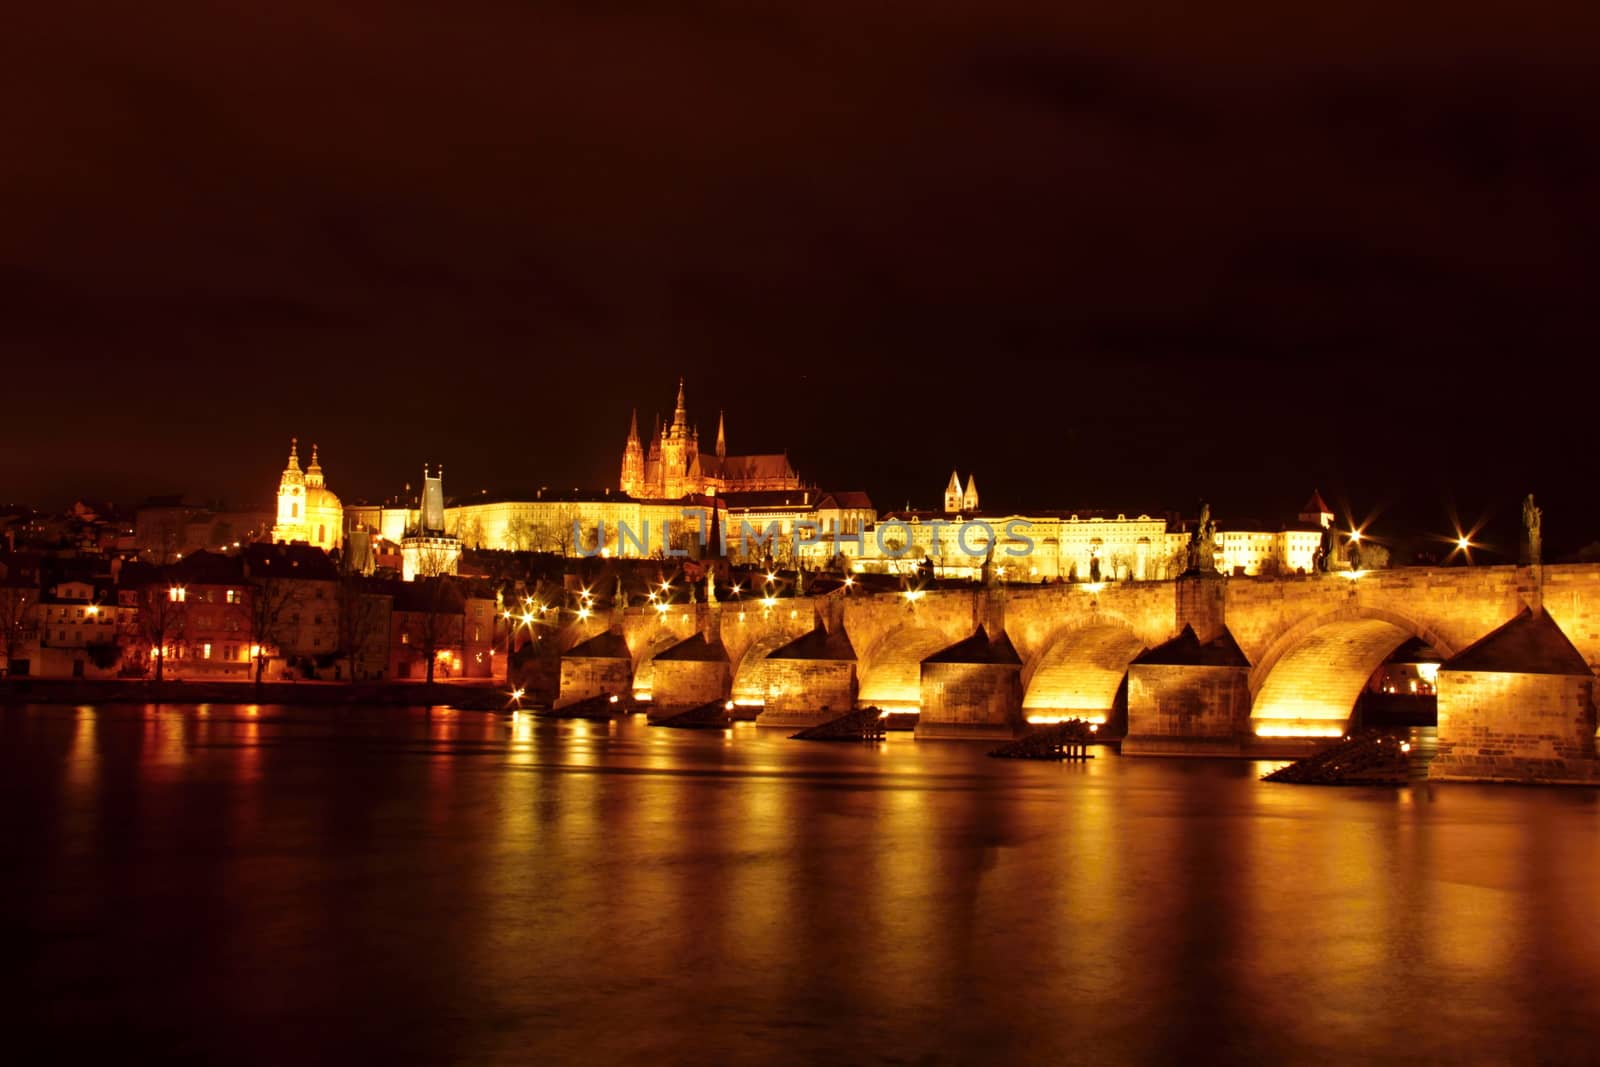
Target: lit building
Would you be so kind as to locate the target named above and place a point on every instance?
(429, 549)
(1031, 546)
(1252, 548)
(673, 467)
(77, 630)
(307, 510)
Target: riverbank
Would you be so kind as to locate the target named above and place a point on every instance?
(470, 696)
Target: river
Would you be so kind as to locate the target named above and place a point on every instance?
(278, 885)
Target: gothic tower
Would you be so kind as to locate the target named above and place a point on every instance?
(675, 451)
(969, 499)
(633, 460)
(952, 494)
(722, 439)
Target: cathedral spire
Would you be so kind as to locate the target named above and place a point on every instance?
(680, 416)
(969, 499)
(633, 428)
(722, 438)
(294, 455)
(952, 494)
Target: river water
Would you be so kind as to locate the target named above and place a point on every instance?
(306, 885)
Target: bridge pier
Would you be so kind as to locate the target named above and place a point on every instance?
(1518, 706)
(809, 681)
(972, 690)
(599, 666)
(690, 673)
(1189, 698)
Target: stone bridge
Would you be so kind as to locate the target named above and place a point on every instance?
(1200, 665)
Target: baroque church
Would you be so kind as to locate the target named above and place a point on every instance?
(307, 509)
(673, 466)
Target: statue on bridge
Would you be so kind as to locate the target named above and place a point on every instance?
(620, 597)
(1532, 517)
(1202, 543)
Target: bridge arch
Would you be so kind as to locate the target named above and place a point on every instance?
(1079, 671)
(1307, 682)
(644, 664)
(891, 674)
(750, 675)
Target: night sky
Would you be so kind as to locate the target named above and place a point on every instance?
(1102, 254)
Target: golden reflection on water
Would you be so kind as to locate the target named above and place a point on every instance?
(522, 888)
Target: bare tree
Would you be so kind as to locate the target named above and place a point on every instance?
(361, 618)
(520, 533)
(16, 608)
(265, 613)
(162, 613)
(470, 532)
(1119, 563)
(441, 621)
(435, 559)
(558, 533)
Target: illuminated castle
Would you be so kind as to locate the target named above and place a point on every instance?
(674, 467)
(307, 510)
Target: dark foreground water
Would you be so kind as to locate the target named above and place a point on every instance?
(301, 885)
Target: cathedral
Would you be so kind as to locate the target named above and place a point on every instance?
(307, 510)
(673, 467)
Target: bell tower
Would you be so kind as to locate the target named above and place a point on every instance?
(291, 524)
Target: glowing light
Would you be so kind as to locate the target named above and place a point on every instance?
(1355, 535)
(1428, 672)
(912, 595)
(583, 613)
(849, 580)
(728, 706)
(735, 590)
(662, 608)
(1462, 543)
(1405, 746)
(1293, 729)
(1093, 587)
(1350, 575)
(516, 694)
(613, 698)
(768, 601)
(527, 619)
(1048, 719)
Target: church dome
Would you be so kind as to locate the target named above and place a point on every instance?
(321, 498)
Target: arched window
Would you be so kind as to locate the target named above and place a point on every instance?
(322, 533)
(294, 511)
